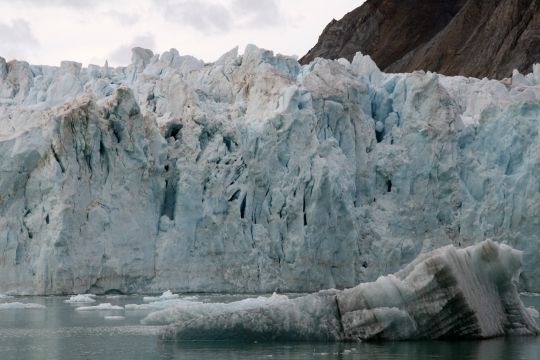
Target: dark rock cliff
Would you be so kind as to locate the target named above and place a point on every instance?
(480, 38)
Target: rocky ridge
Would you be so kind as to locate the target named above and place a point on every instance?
(487, 38)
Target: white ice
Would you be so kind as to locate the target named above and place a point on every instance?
(103, 306)
(167, 295)
(183, 310)
(276, 175)
(81, 298)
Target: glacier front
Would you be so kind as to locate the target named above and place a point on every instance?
(255, 174)
(448, 293)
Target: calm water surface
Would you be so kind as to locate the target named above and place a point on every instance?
(61, 333)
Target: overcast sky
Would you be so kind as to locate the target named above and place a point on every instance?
(91, 31)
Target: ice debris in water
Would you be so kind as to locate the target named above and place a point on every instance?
(166, 300)
(115, 318)
(167, 295)
(103, 306)
(81, 298)
(446, 293)
(21, 306)
(3, 296)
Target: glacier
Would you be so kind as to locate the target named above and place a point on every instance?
(448, 293)
(255, 174)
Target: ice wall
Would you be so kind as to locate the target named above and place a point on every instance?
(254, 173)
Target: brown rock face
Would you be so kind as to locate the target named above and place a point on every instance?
(480, 38)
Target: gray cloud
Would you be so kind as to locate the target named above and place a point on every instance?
(16, 39)
(212, 17)
(260, 13)
(202, 15)
(122, 54)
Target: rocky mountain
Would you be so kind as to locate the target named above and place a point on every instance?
(479, 38)
(255, 173)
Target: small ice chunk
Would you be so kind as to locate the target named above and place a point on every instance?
(103, 306)
(21, 306)
(2, 297)
(81, 298)
(167, 295)
(115, 318)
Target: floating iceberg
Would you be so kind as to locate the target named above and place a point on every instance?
(81, 298)
(115, 318)
(21, 306)
(103, 306)
(448, 293)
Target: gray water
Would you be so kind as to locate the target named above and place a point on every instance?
(61, 333)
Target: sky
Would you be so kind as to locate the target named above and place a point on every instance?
(92, 31)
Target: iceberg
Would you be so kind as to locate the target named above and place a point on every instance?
(255, 173)
(448, 293)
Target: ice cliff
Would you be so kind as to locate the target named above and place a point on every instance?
(448, 293)
(255, 173)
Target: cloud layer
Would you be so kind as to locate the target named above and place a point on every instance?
(91, 31)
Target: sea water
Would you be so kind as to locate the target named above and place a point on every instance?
(59, 332)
